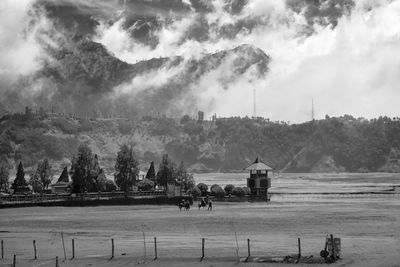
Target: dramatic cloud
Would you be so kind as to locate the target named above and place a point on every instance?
(344, 54)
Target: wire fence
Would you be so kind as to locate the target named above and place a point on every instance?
(143, 246)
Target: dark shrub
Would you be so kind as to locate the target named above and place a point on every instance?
(217, 191)
(195, 192)
(146, 185)
(203, 188)
(238, 191)
(246, 190)
(228, 188)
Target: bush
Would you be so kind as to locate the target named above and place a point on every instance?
(110, 186)
(247, 191)
(229, 188)
(213, 187)
(195, 192)
(203, 188)
(238, 191)
(217, 191)
(146, 185)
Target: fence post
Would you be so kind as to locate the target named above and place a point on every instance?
(73, 249)
(248, 249)
(57, 261)
(155, 248)
(2, 249)
(298, 241)
(112, 248)
(333, 249)
(34, 249)
(14, 260)
(202, 248)
(62, 239)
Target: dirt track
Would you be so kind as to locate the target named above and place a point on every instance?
(369, 228)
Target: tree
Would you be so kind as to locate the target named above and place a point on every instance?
(213, 187)
(101, 181)
(183, 178)
(217, 191)
(126, 168)
(228, 188)
(44, 172)
(4, 177)
(19, 181)
(195, 192)
(95, 172)
(36, 183)
(146, 185)
(84, 167)
(166, 172)
(151, 173)
(203, 188)
(64, 178)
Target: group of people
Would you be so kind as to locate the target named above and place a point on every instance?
(185, 204)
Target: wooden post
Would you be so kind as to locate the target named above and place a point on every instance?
(144, 245)
(34, 249)
(155, 248)
(73, 249)
(248, 249)
(62, 238)
(112, 248)
(57, 261)
(2, 249)
(14, 260)
(298, 241)
(202, 248)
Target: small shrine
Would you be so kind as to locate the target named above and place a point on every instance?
(259, 182)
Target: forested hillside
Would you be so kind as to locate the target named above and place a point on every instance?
(226, 144)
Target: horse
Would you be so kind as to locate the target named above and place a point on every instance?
(184, 205)
(203, 203)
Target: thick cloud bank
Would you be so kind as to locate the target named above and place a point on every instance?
(342, 54)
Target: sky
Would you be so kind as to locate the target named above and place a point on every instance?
(346, 63)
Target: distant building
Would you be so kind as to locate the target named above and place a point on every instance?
(259, 182)
(200, 116)
(59, 188)
(141, 176)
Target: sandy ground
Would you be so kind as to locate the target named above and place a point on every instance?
(369, 229)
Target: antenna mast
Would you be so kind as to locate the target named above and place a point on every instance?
(312, 109)
(254, 103)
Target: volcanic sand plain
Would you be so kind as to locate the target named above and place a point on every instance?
(369, 229)
(361, 209)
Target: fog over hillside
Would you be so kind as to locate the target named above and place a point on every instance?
(135, 57)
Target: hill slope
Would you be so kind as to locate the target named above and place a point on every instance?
(333, 144)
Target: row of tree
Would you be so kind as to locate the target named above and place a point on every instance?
(40, 178)
(87, 176)
(201, 190)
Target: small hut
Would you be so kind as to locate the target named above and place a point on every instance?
(259, 182)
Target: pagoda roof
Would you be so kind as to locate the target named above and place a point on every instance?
(258, 164)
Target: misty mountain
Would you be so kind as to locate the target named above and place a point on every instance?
(85, 72)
